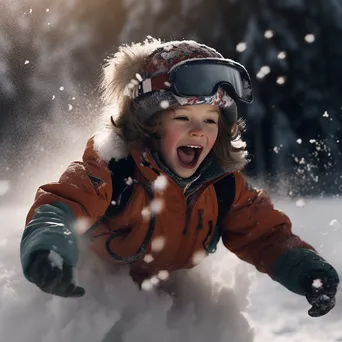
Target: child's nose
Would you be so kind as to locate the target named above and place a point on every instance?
(197, 130)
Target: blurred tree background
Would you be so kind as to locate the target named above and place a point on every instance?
(51, 53)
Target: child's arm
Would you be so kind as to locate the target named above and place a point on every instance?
(83, 192)
(261, 235)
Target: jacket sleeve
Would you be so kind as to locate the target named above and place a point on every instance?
(255, 231)
(85, 187)
(83, 192)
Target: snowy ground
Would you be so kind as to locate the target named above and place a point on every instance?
(222, 300)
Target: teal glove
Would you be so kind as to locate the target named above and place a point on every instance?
(51, 228)
(304, 272)
(54, 279)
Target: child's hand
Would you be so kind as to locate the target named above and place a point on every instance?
(51, 277)
(321, 293)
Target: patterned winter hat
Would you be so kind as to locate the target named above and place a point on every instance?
(160, 61)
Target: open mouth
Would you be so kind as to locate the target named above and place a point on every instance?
(188, 155)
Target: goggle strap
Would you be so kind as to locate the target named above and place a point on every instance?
(155, 83)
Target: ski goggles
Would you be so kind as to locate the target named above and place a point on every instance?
(202, 77)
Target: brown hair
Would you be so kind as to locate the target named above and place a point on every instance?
(138, 134)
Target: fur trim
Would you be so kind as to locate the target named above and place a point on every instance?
(108, 144)
(239, 159)
(124, 66)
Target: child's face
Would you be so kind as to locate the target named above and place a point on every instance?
(188, 135)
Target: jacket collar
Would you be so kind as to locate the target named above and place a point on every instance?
(206, 174)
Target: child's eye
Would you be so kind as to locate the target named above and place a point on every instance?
(211, 121)
(181, 118)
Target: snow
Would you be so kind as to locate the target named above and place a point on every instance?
(104, 142)
(300, 202)
(281, 80)
(4, 187)
(160, 183)
(282, 55)
(81, 225)
(164, 103)
(334, 223)
(156, 205)
(268, 34)
(55, 259)
(148, 258)
(317, 283)
(222, 299)
(241, 47)
(264, 70)
(158, 244)
(283, 317)
(146, 213)
(310, 38)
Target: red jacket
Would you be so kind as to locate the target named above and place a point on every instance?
(181, 232)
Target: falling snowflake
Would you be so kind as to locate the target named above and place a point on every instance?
(163, 275)
(241, 47)
(282, 55)
(281, 80)
(156, 205)
(146, 213)
(82, 225)
(198, 257)
(160, 183)
(158, 244)
(129, 181)
(276, 149)
(4, 187)
(164, 104)
(300, 203)
(268, 34)
(335, 224)
(148, 258)
(154, 281)
(146, 285)
(264, 70)
(309, 38)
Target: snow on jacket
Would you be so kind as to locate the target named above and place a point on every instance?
(128, 218)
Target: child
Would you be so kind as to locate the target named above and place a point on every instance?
(163, 184)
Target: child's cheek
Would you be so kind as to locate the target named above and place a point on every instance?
(212, 140)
